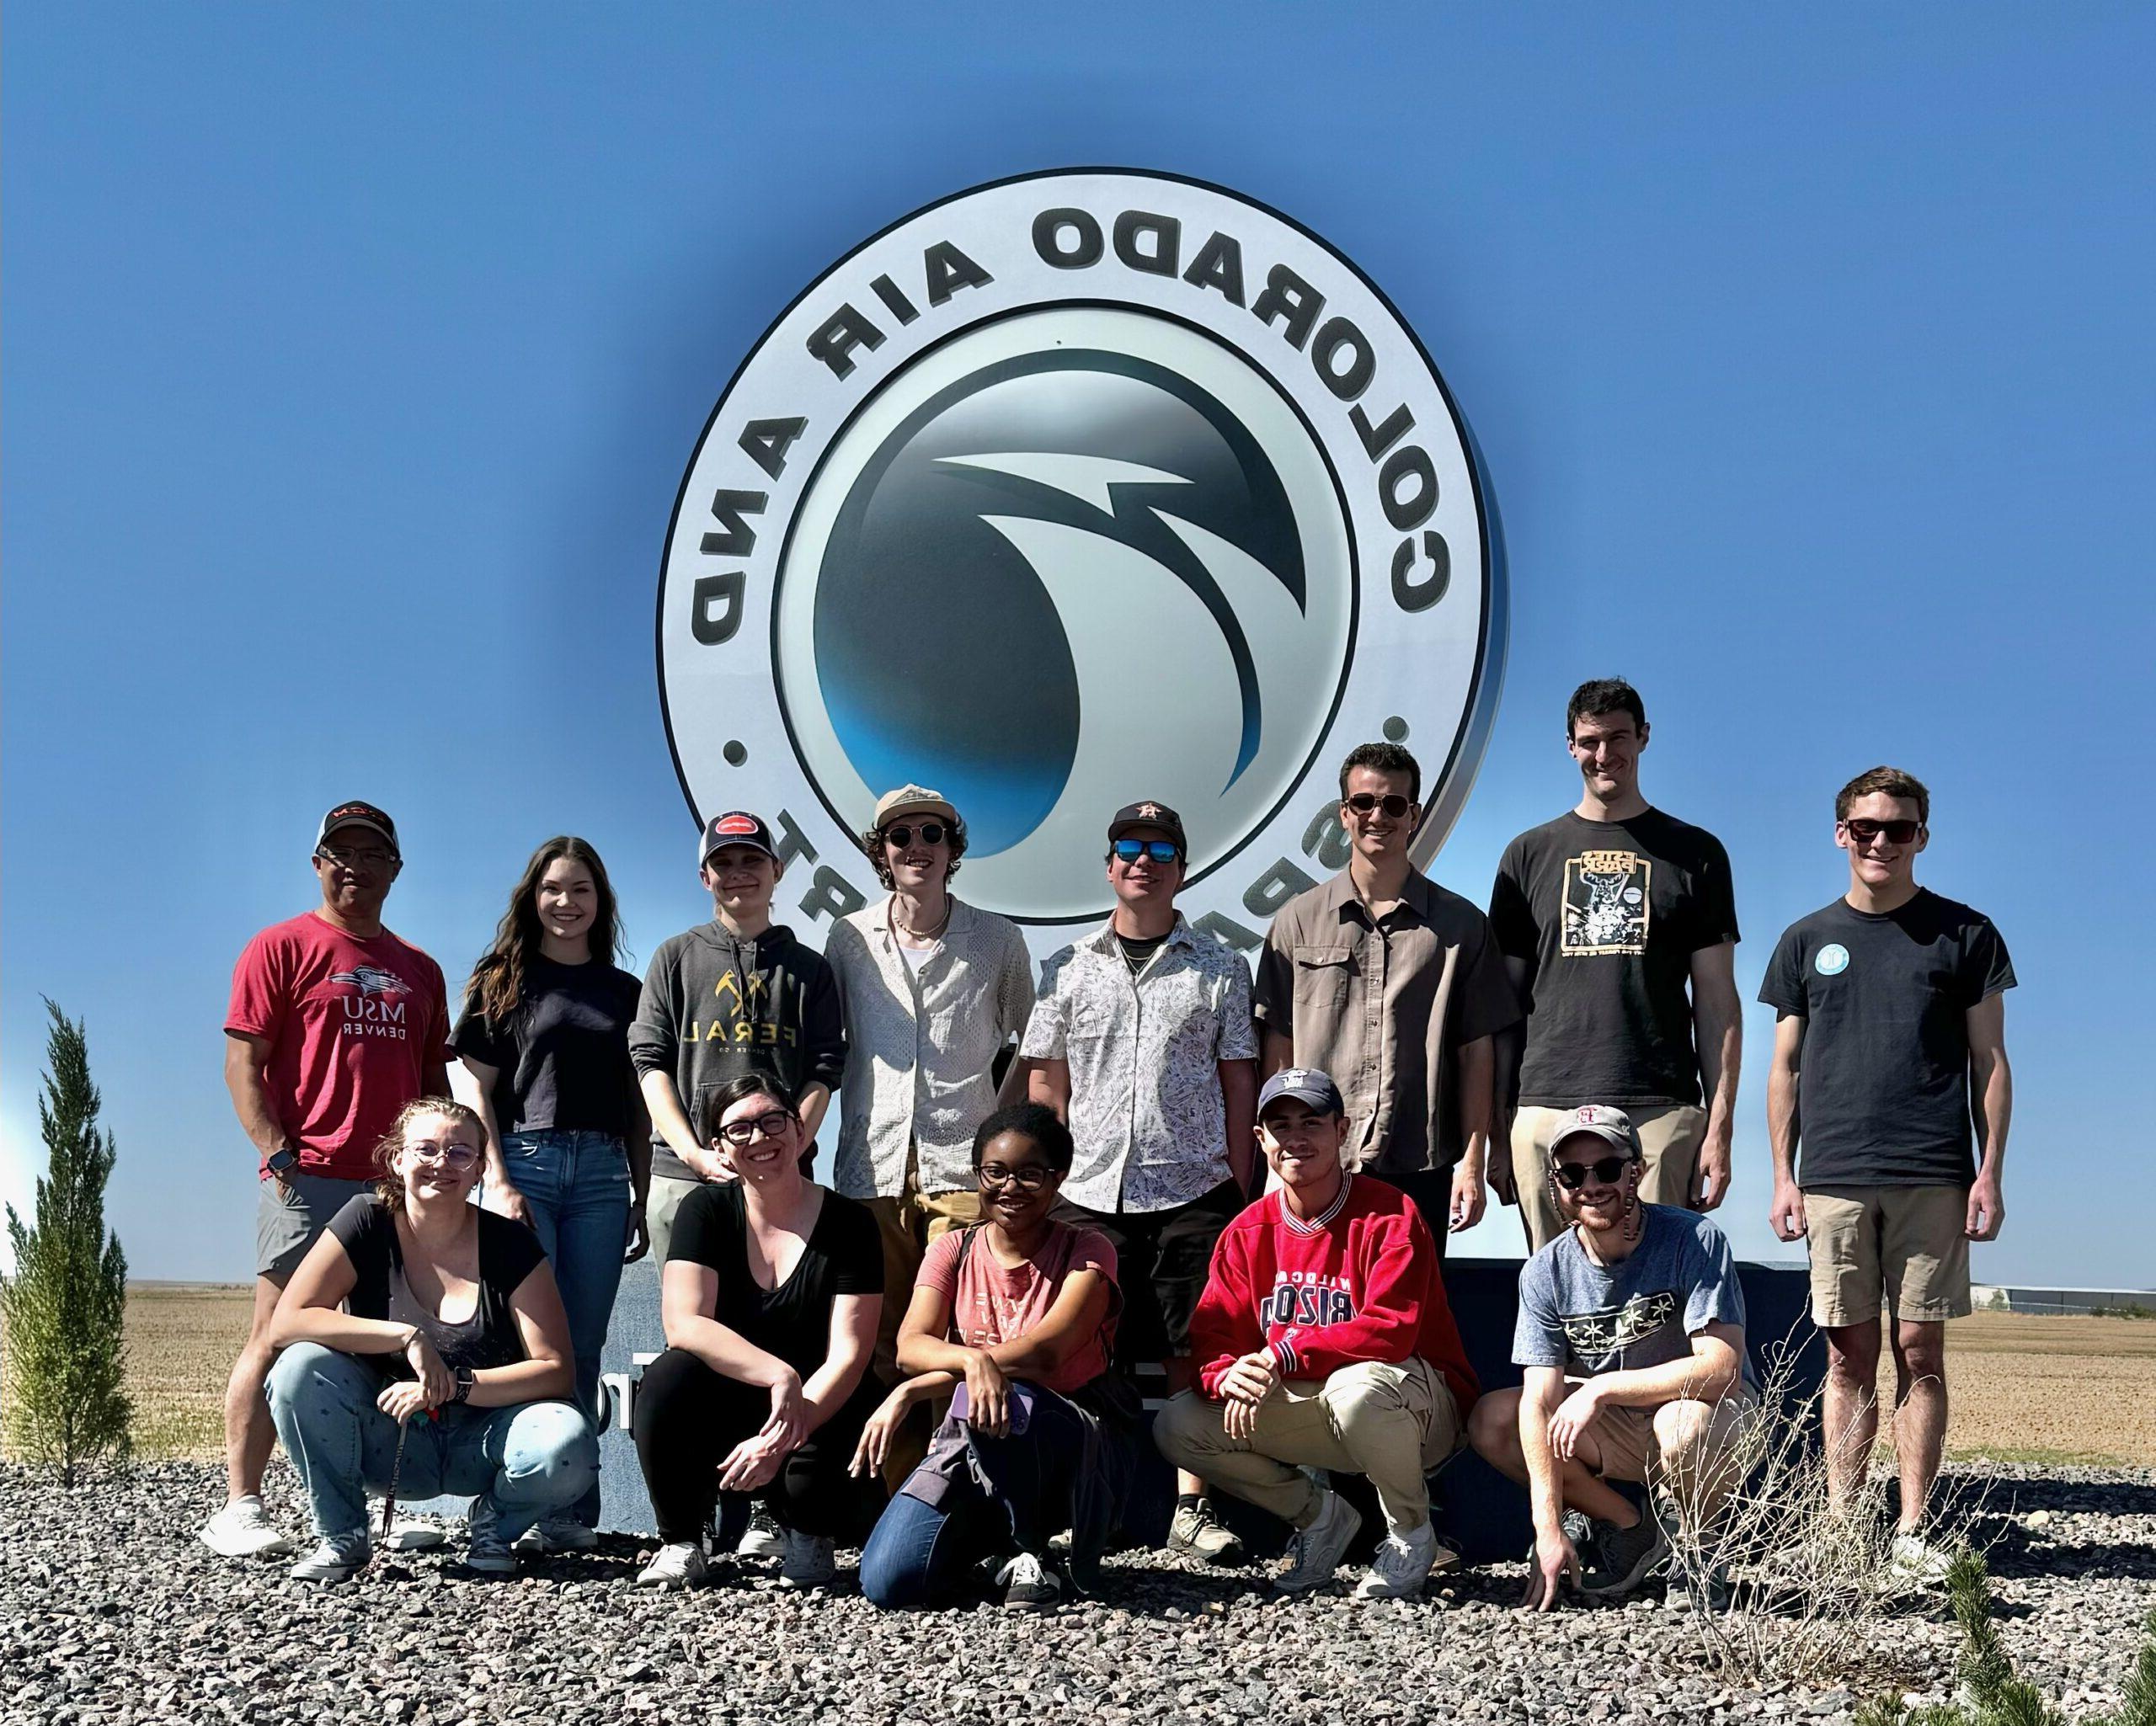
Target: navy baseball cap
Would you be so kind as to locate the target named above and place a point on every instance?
(357, 814)
(1148, 814)
(1306, 1085)
(1613, 1126)
(737, 827)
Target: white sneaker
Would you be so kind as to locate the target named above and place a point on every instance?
(807, 1561)
(412, 1536)
(763, 1538)
(557, 1534)
(337, 1557)
(1315, 1552)
(243, 1529)
(1402, 1564)
(1916, 1561)
(678, 1565)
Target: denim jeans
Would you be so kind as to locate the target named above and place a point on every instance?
(577, 1184)
(528, 1461)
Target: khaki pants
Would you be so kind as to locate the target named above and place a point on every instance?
(1671, 1137)
(659, 1210)
(1392, 1424)
(907, 1225)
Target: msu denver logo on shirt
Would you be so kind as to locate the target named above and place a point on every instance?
(376, 1010)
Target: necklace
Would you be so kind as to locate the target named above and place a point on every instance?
(906, 929)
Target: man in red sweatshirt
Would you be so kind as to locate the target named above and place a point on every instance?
(1323, 1340)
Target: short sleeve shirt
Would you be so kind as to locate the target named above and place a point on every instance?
(352, 1024)
(508, 1252)
(1609, 914)
(1642, 1311)
(1384, 1007)
(991, 1304)
(1883, 1081)
(843, 1256)
(1146, 1108)
(561, 1058)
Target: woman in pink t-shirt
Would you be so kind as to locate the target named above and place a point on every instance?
(1014, 1319)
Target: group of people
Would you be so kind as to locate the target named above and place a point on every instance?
(1147, 1154)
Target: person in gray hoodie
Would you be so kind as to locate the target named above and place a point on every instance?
(736, 995)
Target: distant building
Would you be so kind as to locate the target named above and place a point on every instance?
(2001, 1298)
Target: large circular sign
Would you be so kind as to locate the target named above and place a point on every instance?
(1069, 492)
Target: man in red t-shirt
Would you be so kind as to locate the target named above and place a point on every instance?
(334, 1026)
(1324, 1341)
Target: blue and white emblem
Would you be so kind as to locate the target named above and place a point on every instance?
(1831, 960)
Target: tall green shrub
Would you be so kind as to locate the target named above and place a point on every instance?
(61, 1311)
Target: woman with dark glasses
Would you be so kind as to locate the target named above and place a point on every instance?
(769, 1297)
(1014, 1321)
(426, 1351)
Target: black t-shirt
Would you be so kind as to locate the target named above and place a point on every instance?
(844, 1256)
(1137, 949)
(508, 1252)
(562, 1058)
(1610, 913)
(1883, 1093)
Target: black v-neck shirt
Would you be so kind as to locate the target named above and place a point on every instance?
(843, 1256)
(508, 1252)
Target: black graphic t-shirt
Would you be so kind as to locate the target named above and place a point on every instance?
(1883, 1093)
(508, 1252)
(843, 1256)
(562, 1058)
(1608, 914)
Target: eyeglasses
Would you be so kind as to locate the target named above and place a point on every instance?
(933, 833)
(369, 856)
(768, 1125)
(1030, 1177)
(1158, 850)
(452, 1156)
(1395, 805)
(1898, 833)
(1604, 1171)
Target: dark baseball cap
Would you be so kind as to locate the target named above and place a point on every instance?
(357, 814)
(1306, 1085)
(1613, 1126)
(1148, 814)
(737, 827)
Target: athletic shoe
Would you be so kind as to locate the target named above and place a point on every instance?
(807, 1561)
(1029, 1584)
(1315, 1552)
(487, 1553)
(763, 1538)
(1696, 1584)
(1402, 1564)
(243, 1529)
(1916, 1562)
(678, 1565)
(557, 1534)
(412, 1536)
(1623, 1556)
(336, 1558)
(1198, 1534)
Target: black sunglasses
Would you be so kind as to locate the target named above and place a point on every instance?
(1159, 850)
(1898, 833)
(1604, 1171)
(1395, 805)
(931, 833)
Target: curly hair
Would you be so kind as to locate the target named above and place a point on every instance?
(388, 1184)
(871, 845)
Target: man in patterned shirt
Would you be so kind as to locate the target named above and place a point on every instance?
(1142, 1040)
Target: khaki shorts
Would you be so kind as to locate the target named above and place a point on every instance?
(1670, 1136)
(289, 1214)
(1625, 1436)
(1906, 1241)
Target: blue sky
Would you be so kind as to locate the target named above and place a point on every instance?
(353, 356)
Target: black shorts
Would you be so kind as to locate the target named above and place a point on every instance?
(1162, 1260)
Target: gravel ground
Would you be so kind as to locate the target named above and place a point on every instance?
(111, 1611)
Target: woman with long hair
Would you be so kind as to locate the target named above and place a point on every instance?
(423, 1342)
(544, 1064)
(769, 1295)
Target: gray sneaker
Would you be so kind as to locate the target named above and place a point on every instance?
(336, 1558)
(488, 1554)
(807, 1561)
(1197, 1532)
(1315, 1552)
(680, 1565)
(1623, 1556)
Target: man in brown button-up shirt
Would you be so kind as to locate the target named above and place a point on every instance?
(1395, 986)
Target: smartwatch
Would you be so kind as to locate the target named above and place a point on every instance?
(283, 1160)
(463, 1387)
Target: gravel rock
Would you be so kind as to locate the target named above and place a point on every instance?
(111, 1612)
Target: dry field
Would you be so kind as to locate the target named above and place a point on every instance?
(2026, 1387)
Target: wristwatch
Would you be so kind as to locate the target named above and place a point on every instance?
(463, 1387)
(283, 1160)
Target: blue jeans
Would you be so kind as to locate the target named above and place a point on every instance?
(920, 1554)
(578, 1187)
(529, 1461)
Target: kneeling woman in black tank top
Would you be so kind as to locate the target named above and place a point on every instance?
(770, 1296)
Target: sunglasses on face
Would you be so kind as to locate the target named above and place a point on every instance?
(933, 833)
(1604, 1171)
(1395, 805)
(1030, 1177)
(1899, 833)
(1157, 850)
(768, 1125)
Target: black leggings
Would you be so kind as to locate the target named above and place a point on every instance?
(688, 1417)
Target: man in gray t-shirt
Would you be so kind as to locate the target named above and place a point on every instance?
(1631, 1329)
